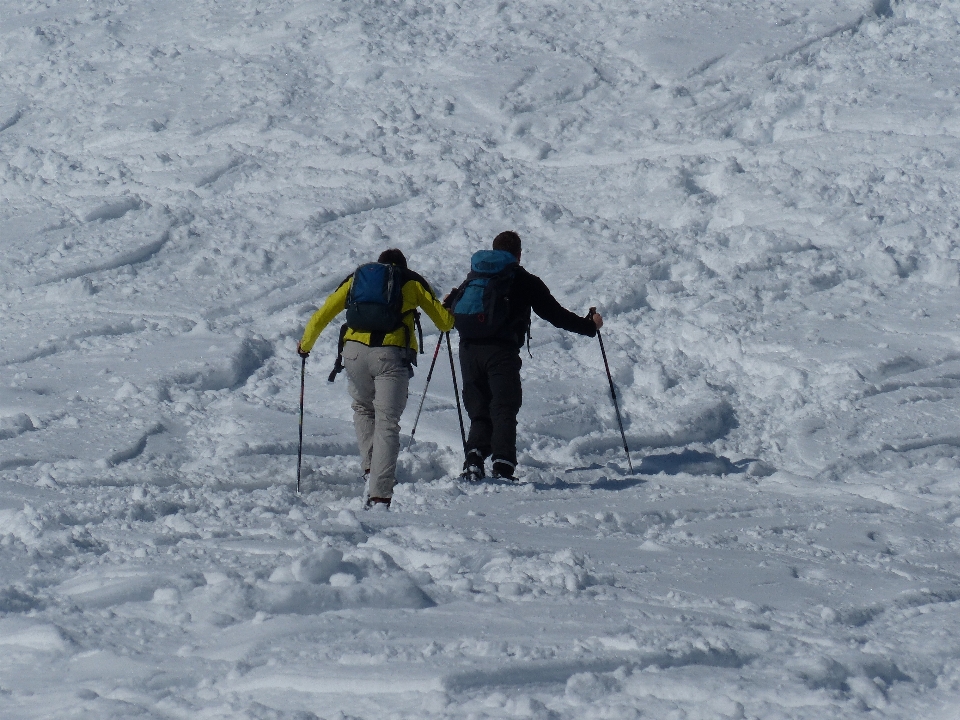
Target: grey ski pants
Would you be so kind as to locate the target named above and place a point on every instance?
(379, 378)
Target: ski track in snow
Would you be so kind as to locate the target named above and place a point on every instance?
(762, 200)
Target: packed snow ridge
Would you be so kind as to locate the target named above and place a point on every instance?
(761, 199)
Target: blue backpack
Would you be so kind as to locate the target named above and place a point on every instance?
(375, 300)
(481, 309)
(375, 306)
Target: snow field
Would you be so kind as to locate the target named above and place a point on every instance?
(760, 198)
(665, 585)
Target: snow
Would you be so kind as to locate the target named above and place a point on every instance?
(761, 199)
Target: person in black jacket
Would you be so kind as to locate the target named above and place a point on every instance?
(492, 392)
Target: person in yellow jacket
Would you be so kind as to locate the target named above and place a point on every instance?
(379, 367)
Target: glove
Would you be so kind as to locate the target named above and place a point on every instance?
(302, 353)
(449, 298)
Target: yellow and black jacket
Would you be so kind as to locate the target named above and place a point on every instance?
(416, 293)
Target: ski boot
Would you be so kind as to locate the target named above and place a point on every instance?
(377, 503)
(473, 467)
(503, 470)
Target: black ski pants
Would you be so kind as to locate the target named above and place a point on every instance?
(492, 395)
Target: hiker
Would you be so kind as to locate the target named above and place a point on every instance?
(378, 351)
(491, 334)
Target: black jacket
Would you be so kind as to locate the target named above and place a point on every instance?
(527, 293)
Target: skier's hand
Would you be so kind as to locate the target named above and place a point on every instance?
(596, 317)
(301, 352)
(448, 298)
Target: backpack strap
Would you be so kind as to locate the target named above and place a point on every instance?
(416, 320)
(338, 365)
(376, 339)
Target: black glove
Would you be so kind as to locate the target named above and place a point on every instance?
(450, 297)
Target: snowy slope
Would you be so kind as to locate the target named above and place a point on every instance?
(762, 199)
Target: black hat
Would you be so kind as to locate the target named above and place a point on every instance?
(393, 256)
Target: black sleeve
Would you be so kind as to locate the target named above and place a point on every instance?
(546, 306)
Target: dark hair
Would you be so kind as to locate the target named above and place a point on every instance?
(508, 240)
(393, 256)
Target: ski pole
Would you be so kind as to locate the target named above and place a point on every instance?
(303, 383)
(456, 394)
(613, 393)
(429, 375)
